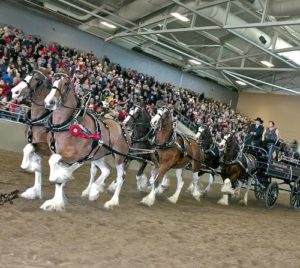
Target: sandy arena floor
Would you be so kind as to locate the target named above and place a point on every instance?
(189, 234)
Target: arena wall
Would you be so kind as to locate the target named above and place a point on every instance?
(282, 109)
(52, 30)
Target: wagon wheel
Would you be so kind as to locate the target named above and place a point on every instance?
(259, 190)
(295, 195)
(271, 195)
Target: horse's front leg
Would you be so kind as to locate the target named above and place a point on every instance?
(32, 162)
(141, 178)
(210, 182)
(59, 174)
(226, 190)
(150, 198)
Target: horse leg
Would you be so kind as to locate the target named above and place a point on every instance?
(141, 178)
(114, 201)
(57, 203)
(226, 190)
(174, 198)
(196, 191)
(59, 174)
(97, 187)
(163, 186)
(32, 162)
(210, 182)
(237, 191)
(93, 172)
(150, 198)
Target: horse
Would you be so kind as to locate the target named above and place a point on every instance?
(70, 151)
(236, 167)
(138, 119)
(211, 155)
(174, 151)
(35, 88)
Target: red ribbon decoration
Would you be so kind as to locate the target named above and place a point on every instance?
(75, 131)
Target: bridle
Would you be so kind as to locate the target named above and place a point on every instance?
(63, 96)
(162, 116)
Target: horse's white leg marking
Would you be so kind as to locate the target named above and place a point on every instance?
(59, 172)
(149, 199)
(174, 198)
(114, 201)
(196, 191)
(142, 183)
(28, 150)
(227, 188)
(57, 203)
(93, 172)
(162, 187)
(33, 163)
(224, 200)
(97, 187)
(210, 182)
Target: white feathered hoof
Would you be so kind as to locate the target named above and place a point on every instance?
(197, 196)
(85, 193)
(223, 201)
(173, 199)
(53, 205)
(112, 187)
(160, 190)
(148, 200)
(32, 193)
(111, 204)
(95, 191)
(190, 189)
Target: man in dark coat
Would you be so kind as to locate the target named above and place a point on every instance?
(255, 132)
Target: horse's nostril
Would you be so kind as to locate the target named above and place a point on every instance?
(17, 93)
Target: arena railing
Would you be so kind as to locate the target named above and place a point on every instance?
(186, 121)
(18, 113)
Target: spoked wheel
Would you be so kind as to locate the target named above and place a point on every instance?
(259, 190)
(271, 195)
(295, 195)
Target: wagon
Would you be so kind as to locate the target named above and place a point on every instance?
(276, 172)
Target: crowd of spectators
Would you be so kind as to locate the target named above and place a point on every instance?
(113, 88)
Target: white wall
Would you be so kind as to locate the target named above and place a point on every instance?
(53, 30)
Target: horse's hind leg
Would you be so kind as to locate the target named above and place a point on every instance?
(141, 178)
(97, 187)
(210, 182)
(174, 198)
(32, 162)
(250, 179)
(196, 191)
(93, 172)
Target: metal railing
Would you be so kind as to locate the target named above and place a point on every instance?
(185, 121)
(13, 112)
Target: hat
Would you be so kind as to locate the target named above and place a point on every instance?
(259, 119)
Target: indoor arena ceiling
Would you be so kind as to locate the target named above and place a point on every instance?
(245, 44)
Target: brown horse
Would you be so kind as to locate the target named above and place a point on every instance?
(174, 151)
(71, 151)
(34, 88)
(236, 167)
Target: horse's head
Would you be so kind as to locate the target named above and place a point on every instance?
(162, 114)
(26, 88)
(134, 113)
(223, 141)
(232, 147)
(204, 136)
(59, 90)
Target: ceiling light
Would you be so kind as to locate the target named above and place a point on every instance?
(180, 17)
(195, 62)
(241, 83)
(267, 63)
(108, 25)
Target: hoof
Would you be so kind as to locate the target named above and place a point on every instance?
(53, 205)
(112, 187)
(85, 193)
(223, 202)
(95, 191)
(32, 193)
(173, 199)
(197, 196)
(111, 204)
(147, 201)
